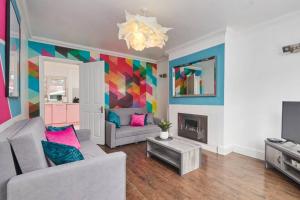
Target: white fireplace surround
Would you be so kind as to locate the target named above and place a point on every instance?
(215, 127)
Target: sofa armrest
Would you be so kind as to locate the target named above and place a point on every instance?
(97, 178)
(83, 134)
(110, 134)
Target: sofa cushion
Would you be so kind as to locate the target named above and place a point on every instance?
(67, 137)
(61, 128)
(27, 146)
(137, 120)
(127, 131)
(90, 150)
(60, 153)
(125, 113)
(145, 120)
(114, 118)
(149, 118)
(58, 128)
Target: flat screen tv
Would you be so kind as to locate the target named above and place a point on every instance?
(291, 121)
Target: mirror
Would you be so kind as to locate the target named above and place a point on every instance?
(195, 79)
(13, 47)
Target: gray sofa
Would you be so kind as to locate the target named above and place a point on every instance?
(26, 174)
(127, 134)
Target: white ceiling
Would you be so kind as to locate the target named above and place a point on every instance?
(94, 22)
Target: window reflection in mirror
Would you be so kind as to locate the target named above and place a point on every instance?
(55, 88)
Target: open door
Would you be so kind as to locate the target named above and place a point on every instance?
(92, 99)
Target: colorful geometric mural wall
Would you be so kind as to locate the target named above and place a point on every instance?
(2, 19)
(10, 107)
(129, 83)
(4, 102)
(151, 84)
(36, 49)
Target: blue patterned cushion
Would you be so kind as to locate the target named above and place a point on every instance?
(114, 118)
(60, 153)
(53, 128)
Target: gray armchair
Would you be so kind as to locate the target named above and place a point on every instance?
(127, 134)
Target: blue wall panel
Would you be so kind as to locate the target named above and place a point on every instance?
(217, 51)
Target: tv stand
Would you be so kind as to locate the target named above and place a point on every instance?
(281, 156)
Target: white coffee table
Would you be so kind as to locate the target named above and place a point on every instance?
(181, 153)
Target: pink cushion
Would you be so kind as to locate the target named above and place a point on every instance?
(67, 137)
(137, 120)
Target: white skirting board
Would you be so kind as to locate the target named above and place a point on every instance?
(254, 153)
(215, 129)
(233, 148)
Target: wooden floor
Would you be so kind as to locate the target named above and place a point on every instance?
(232, 177)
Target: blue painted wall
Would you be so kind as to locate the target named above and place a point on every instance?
(217, 51)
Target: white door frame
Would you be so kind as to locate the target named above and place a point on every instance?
(42, 59)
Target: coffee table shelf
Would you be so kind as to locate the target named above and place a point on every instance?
(172, 161)
(180, 153)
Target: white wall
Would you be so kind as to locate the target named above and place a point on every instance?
(162, 89)
(199, 44)
(258, 77)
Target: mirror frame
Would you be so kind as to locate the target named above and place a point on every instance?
(9, 4)
(191, 63)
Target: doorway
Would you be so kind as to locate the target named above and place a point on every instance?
(59, 92)
(81, 105)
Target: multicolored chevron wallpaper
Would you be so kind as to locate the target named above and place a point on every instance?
(10, 107)
(4, 102)
(129, 83)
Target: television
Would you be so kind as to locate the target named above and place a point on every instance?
(291, 121)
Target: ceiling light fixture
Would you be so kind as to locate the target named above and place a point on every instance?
(142, 32)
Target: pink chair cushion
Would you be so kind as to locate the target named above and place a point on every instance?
(137, 120)
(67, 137)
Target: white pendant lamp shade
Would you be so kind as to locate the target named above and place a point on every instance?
(142, 32)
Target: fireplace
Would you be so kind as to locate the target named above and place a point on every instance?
(193, 127)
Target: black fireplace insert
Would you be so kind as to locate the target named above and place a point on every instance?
(193, 127)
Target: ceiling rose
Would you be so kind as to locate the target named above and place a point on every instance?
(142, 32)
